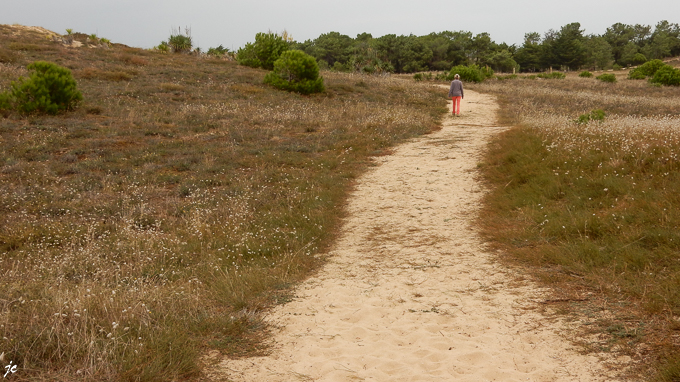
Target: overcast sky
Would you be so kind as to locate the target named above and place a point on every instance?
(145, 23)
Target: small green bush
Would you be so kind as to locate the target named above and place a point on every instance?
(666, 75)
(50, 89)
(607, 77)
(636, 75)
(594, 115)
(585, 74)
(418, 76)
(617, 67)
(296, 71)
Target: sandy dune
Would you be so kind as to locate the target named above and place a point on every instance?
(410, 293)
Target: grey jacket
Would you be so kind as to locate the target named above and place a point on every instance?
(456, 89)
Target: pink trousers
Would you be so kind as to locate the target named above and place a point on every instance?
(456, 105)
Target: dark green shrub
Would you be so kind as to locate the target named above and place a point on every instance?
(471, 73)
(617, 67)
(418, 76)
(585, 74)
(607, 77)
(635, 75)
(639, 59)
(50, 89)
(646, 70)
(266, 49)
(218, 52)
(666, 75)
(296, 71)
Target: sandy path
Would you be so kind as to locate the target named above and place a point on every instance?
(410, 293)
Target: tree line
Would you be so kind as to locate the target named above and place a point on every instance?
(568, 48)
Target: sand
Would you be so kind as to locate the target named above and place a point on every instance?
(410, 292)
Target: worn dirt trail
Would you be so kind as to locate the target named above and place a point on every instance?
(410, 293)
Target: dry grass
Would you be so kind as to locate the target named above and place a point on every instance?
(181, 200)
(592, 209)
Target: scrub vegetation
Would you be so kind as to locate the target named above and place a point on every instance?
(157, 219)
(584, 196)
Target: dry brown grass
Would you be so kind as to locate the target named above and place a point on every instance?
(590, 209)
(180, 201)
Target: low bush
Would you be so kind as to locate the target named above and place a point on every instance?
(635, 75)
(594, 115)
(50, 89)
(296, 71)
(585, 74)
(666, 75)
(607, 77)
(552, 76)
(646, 70)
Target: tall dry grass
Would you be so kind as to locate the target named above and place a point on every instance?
(180, 201)
(592, 208)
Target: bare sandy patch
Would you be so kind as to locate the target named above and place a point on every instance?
(411, 293)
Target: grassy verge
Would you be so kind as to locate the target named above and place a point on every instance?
(592, 208)
(178, 202)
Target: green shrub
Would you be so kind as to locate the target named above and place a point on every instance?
(508, 77)
(50, 89)
(594, 115)
(181, 43)
(666, 75)
(296, 71)
(639, 59)
(266, 49)
(585, 74)
(487, 72)
(217, 52)
(607, 77)
(646, 70)
(636, 75)
(471, 73)
(418, 76)
(617, 67)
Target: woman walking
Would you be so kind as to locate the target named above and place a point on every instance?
(456, 94)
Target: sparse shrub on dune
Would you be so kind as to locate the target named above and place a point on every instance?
(552, 76)
(585, 74)
(49, 89)
(607, 77)
(296, 71)
(666, 75)
(646, 70)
